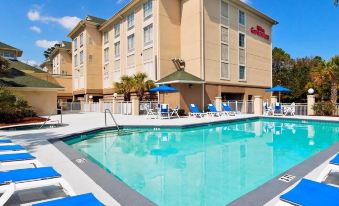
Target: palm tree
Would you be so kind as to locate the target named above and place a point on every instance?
(140, 84)
(332, 68)
(336, 2)
(124, 87)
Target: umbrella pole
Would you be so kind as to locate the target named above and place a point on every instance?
(279, 97)
(158, 97)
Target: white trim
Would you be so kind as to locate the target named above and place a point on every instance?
(35, 89)
(181, 81)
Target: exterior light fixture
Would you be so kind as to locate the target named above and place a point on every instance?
(115, 95)
(310, 91)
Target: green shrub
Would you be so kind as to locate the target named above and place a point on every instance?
(324, 108)
(13, 108)
(181, 112)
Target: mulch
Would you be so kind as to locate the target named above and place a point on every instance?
(26, 120)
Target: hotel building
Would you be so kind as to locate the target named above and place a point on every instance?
(86, 59)
(61, 60)
(204, 48)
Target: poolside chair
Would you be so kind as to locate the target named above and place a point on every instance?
(228, 109)
(30, 178)
(150, 112)
(18, 159)
(290, 110)
(331, 167)
(213, 111)
(278, 109)
(11, 149)
(5, 141)
(164, 111)
(267, 109)
(84, 200)
(195, 112)
(309, 193)
(175, 111)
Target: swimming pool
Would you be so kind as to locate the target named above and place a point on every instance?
(205, 165)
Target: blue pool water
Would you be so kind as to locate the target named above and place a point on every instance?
(207, 165)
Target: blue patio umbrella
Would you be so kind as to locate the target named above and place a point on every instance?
(278, 89)
(163, 88)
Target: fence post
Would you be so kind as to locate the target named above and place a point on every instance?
(135, 105)
(101, 105)
(310, 104)
(218, 103)
(258, 104)
(113, 106)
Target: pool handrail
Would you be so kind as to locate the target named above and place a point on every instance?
(115, 122)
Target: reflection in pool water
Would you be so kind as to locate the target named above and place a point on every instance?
(208, 165)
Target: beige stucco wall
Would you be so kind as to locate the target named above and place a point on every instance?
(92, 70)
(138, 56)
(66, 82)
(258, 50)
(43, 102)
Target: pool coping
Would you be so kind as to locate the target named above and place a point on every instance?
(126, 195)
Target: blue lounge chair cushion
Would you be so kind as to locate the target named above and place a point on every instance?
(194, 109)
(5, 141)
(335, 160)
(310, 193)
(83, 200)
(11, 147)
(226, 107)
(28, 174)
(212, 108)
(15, 157)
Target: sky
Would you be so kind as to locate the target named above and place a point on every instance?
(306, 27)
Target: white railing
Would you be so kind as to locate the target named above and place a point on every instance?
(243, 107)
(90, 107)
(70, 107)
(147, 104)
(122, 107)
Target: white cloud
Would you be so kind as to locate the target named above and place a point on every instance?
(35, 29)
(246, 1)
(45, 43)
(68, 22)
(33, 15)
(32, 62)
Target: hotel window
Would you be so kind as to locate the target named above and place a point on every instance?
(116, 30)
(241, 18)
(117, 49)
(224, 9)
(224, 67)
(105, 37)
(81, 57)
(106, 55)
(130, 21)
(148, 35)
(241, 40)
(76, 60)
(81, 39)
(75, 42)
(242, 72)
(147, 9)
(130, 43)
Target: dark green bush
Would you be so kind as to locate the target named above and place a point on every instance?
(13, 108)
(324, 108)
(181, 112)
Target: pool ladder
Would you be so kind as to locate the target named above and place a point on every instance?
(48, 118)
(115, 122)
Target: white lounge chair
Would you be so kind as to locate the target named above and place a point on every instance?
(30, 178)
(228, 109)
(331, 167)
(267, 109)
(83, 200)
(310, 193)
(18, 159)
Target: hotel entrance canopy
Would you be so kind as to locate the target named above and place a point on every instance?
(180, 77)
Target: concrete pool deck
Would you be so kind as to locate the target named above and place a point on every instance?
(36, 142)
